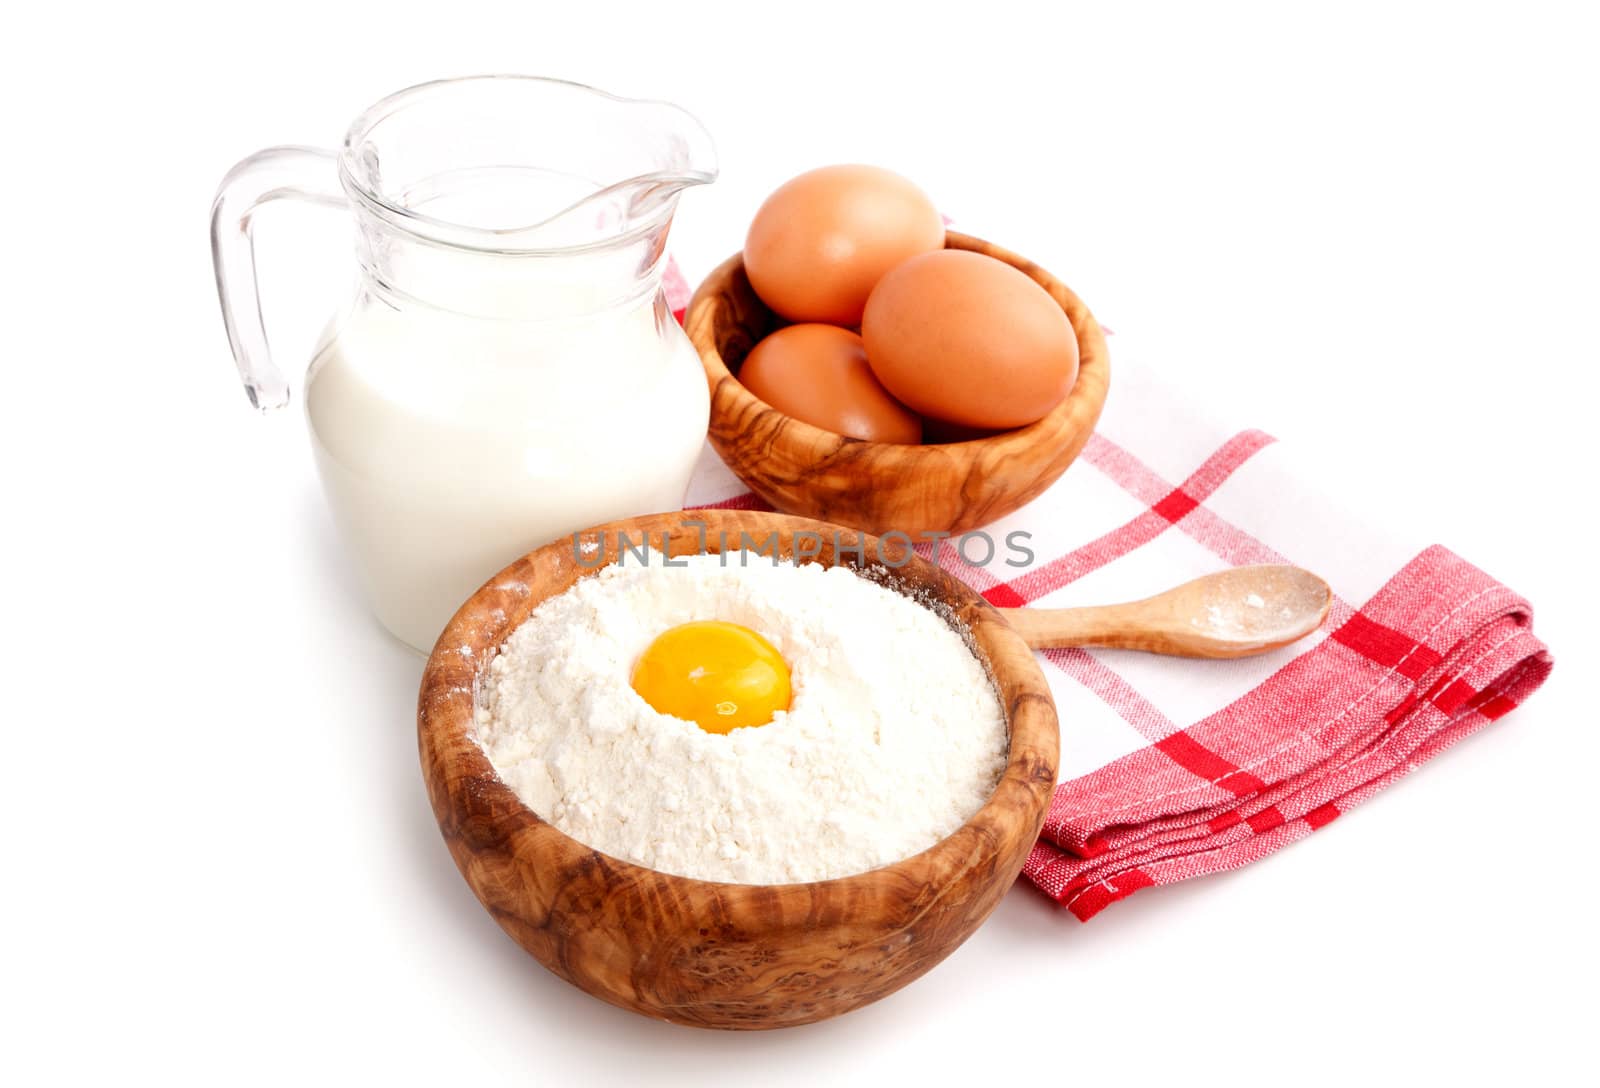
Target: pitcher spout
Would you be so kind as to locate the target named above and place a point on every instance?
(530, 165)
(672, 151)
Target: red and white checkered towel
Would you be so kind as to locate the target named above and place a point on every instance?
(1173, 768)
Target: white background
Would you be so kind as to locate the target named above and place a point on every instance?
(1370, 230)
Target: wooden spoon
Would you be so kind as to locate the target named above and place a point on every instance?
(1233, 613)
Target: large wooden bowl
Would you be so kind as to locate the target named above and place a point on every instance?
(881, 486)
(712, 954)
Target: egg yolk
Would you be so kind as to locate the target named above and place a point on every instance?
(721, 676)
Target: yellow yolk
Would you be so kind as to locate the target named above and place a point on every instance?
(718, 675)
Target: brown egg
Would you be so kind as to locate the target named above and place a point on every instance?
(822, 241)
(968, 339)
(819, 373)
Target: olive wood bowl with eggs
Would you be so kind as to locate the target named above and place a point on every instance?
(715, 954)
(877, 486)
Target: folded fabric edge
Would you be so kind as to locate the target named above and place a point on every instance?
(1085, 887)
(1377, 660)
(1492, 663)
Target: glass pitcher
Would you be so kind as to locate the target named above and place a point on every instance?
(508, 370)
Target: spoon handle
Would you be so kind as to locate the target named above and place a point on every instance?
(1115, 626)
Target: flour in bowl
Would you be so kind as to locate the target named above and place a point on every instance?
(893, 739)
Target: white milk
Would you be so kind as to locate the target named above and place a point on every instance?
(507, 372)
(450, 444)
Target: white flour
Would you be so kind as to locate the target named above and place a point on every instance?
(894, 736)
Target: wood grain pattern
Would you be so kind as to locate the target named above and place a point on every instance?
(1240, 612)
(878, 486)
(712, 954)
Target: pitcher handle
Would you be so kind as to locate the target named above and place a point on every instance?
(304, 173)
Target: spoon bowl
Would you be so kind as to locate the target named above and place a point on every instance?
(1239, 612)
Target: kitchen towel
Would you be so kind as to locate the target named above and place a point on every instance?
(1174, 768)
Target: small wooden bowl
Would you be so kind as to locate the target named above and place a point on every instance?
(713, 954)
(880, 486)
